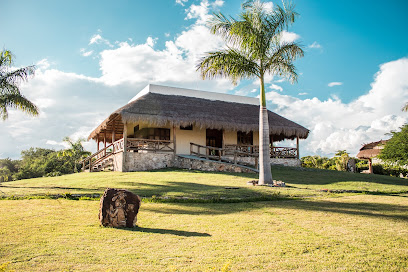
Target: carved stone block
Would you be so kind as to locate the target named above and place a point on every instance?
(118, 208)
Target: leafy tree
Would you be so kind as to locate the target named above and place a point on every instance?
(76, 151)
(254, 48)
(341, 160)
(10, 95)
(396, 149)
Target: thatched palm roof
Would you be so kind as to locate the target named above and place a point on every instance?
(159, 110)
(371, 150)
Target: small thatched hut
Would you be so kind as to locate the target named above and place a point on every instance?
(370, 151)
(165, 119)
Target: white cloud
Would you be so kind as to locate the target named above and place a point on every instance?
(268, 6)
(201, 11)
(289, 37)
(86, 53)
(335, 125)
(181, 2)
(276, 87)
(315, 45)
(98, 39)
(43, 64)
(303, 93)
(332, 84)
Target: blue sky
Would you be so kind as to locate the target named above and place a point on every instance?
(93, 56)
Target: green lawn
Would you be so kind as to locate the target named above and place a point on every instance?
(175, 183)
(313, 231)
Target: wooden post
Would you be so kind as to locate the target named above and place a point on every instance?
(90, 165)
(104, 138)
(223, 143)
(174, 141)
(370, 166)
(113, 131)
(271, 149)
(297, 147)
(191, 149)
(124, 147)
(97, 143)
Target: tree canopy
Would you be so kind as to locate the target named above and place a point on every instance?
(396, 149)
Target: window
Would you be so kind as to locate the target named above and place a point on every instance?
(153, 133)
(244, 138)
(189, 127)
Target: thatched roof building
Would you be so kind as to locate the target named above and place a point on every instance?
(371, 150)
(161, 105)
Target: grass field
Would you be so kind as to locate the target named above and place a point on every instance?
(305, 229)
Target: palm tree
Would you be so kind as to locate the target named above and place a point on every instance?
(76, 151)
(10, 96)
(254, 48)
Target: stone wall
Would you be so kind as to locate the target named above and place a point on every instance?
(286, 162)
(117, 161)
(147, 161)
(274, 161)
(206, 165)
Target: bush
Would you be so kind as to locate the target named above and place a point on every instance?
(390, 170)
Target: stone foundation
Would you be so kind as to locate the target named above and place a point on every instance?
(150, 161)
(286, 162)
(147, 161)
(213, 166)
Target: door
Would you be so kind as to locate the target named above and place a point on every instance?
(214, 138)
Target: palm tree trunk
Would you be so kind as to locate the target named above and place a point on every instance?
(265, 173)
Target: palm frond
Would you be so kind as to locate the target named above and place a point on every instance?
(228, 63)
(16, 101)
(16, 76)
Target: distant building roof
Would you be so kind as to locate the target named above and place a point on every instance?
(371, 150)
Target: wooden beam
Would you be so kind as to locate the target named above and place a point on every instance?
(104, 138)
(97, 143)
(124, 147)
(113, 131)
(174, 140)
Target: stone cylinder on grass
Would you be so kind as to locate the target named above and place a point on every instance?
(118, 208)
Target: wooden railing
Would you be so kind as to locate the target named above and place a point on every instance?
(133, 144)
(149, 145)
(208, 152)
(284, 152)
(253, 150)
(102, 154)
(219, 154)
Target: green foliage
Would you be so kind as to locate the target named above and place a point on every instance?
(338, 162)
(390, 170)
(341, 159)
(76, 152)
(10, 96)
(37, 162)
(396, 149)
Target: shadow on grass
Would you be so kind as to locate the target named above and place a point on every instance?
(379, 210)
(310, 176)
(168, 231)
(51, 188)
